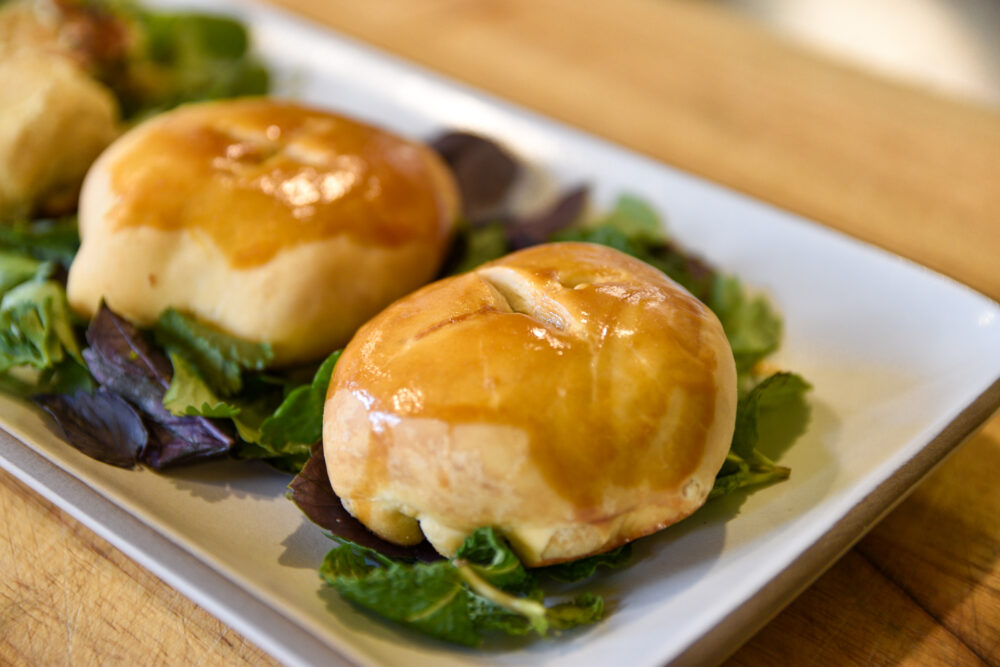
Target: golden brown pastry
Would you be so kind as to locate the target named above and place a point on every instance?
(273, 221)
(34, 27)
(55, 116)
(54, 122)
(569, 395)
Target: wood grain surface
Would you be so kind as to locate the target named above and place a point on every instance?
(696, 87)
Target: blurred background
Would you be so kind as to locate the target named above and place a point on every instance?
(951, 46)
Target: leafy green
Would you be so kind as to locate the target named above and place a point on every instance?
(478, 245)
(751, 325)
(281, 430)
(429, 597)
(183, 57)
(255, 406)
(635, 219)
(584, 568)
(773, 393)
(189, 396)
(779, 390)
(36, 327)
(219, 358)
(39, 352)
(64, 377)
(299, 418)
(606, 234)
(174, 36)
(124, 361)
(286, 435)
(583, 609)
(485, 589)
(289, 457)
(745, 464)
(52, 240)
(16, 269)
(488, 555)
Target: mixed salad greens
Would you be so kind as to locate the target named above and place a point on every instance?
(154, 60)
(182, 391)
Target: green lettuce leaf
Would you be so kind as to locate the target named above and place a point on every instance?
(584, 568)
(36, 327)
(189, 395)
(635, 219)
(64, 377)
(184, 57)
(289, 457)
(428, 597)
(39, 352)
(52, 240)
(745, 464)
(778, 390)
(477, 245)
(281, 430)
(16, 268)
(485, 589)
(585, 608)
(751, 324)
(488, 555)
(285, 435)
(299, 418)
(219, 358)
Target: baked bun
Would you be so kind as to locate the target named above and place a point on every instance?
(569, 395)
(273, 221)
(54, 122)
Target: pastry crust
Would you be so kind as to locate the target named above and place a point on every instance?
(54, 122)
(570, 396)
(274, 222)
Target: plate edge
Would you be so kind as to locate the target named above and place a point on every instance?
(732, 631)
(281, 637)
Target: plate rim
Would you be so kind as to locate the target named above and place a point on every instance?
(256, 618)
(769, 600)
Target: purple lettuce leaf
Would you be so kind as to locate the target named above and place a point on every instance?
(538, 227)
(123, 360)
(182, 440)
(485, 174)
(102, 425)
(126, 349)
(483, 171)
(311, 492)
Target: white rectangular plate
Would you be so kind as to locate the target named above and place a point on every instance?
(904, 363)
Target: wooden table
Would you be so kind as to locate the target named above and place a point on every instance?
(699, 88)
